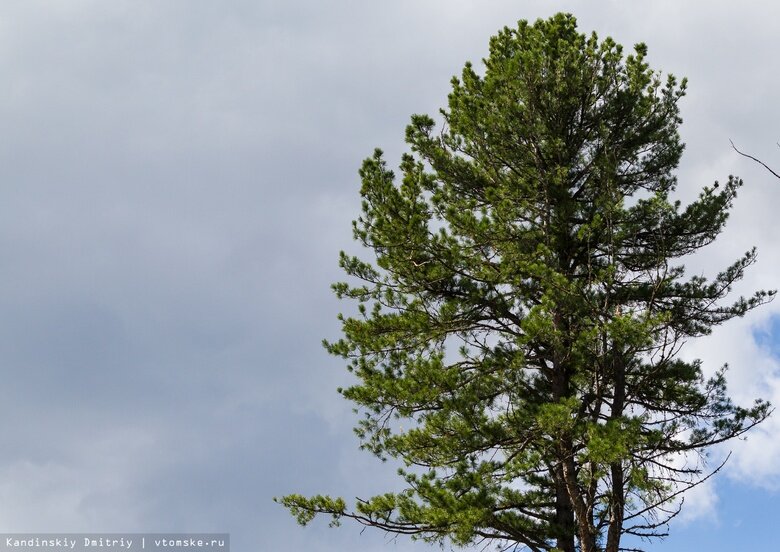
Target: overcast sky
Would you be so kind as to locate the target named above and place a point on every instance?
(176, 180)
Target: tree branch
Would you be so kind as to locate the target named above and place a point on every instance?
(754, 159)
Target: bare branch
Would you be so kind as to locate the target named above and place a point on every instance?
(754, 159)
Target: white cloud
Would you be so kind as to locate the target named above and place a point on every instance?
(701, 503)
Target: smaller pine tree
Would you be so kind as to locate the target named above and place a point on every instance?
(526, 306)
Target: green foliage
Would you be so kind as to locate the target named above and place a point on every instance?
(517, 335)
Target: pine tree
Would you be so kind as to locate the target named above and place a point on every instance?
(518, 334)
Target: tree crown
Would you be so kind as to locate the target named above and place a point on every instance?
(526, 306)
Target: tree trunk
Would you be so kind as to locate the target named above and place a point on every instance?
(617, 500)
(564, 515)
